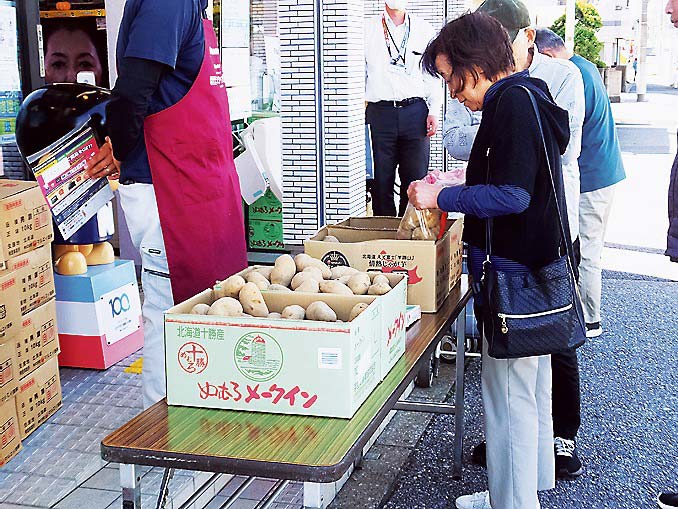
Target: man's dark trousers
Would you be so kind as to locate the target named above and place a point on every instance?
(398, 140)
(565, 374)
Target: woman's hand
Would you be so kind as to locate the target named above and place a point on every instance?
(103, 164)
(423, 195)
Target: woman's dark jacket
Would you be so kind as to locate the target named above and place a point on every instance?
(508, 140)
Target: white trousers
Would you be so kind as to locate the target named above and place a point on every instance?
(141, 213)
(594, 211)
(518, 429)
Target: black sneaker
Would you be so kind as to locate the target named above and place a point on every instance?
(568, 465)
(668, 500)
(479, 454)
(593, 330)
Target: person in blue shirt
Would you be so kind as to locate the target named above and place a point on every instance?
(170, 133)
(600, 167)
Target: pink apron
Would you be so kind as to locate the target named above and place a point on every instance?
(190, 150)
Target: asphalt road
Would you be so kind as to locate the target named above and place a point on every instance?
(628, 440)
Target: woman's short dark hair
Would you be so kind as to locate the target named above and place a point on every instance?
(474, 40)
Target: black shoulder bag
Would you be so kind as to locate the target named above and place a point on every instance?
(537, 312)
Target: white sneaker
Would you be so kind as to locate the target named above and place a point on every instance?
(479, 500)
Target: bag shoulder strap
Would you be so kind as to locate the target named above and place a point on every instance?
(565, 234)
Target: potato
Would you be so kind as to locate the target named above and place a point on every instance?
(226, 306)
(230, 287)
(275, 316)
(357, 309)
(200, 309)
(321, 312)
(378, 278)
(309, 285)
(298, 279)
(341, 271)
(419, 234)
(284, 270)
(264, 271)
(378, 289)
(344, 279)
(431, 218)
(330, 238)
(315, 272)
(335, 287)
(303, 260)
(252, 301)
(278, 288)
(258, 279)
(293, 313)
(359, 283)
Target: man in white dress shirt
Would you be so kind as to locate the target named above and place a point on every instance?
(403, 103)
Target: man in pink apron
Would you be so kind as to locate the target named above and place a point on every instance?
(169, 126)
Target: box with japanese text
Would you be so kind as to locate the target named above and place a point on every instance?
(279, 366)
(9, 432)
(265, 223)
(37, 341)
(99, 315)
(39, 397)
(9, 372)
(10, 309)
(370, 244)
(456, 251)
(25, 220)
(33, 274)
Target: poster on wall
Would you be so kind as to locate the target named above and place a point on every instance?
(235, 24)
(10, 81)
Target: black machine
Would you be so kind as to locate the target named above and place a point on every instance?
(53, 111)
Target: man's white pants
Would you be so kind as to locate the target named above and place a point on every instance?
(141, 213)
(594, 211)
(518, 429)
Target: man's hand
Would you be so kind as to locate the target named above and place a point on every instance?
(103, 164)
(423, 195)
(431, 125)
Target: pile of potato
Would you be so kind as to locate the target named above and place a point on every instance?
(240, 294)
(419, 224)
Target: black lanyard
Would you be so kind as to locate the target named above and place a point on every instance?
(402, 52)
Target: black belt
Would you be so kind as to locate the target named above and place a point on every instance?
(400, 104)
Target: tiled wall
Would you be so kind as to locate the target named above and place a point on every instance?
(324, 154)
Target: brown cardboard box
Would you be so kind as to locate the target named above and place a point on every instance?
(9, 372)
(10, 443)
(39, 397)
(35, 277)
(369, 243)
(10, 308)
(25, 220)
(37, 341)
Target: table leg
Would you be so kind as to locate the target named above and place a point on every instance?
(164, 488)
(130, 481)
(459, 396)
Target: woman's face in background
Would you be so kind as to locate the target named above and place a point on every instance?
(68, 53)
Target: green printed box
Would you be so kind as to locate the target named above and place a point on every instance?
(279, 366)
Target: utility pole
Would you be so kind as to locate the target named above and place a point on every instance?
(641, 78)
(570, 21)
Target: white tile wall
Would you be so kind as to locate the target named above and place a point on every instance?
(306, 205)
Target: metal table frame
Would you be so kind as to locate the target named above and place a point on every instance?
(129, 458)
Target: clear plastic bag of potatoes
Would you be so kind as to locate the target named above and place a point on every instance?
(420, 224)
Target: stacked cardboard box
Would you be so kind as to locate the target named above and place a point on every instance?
(29, 376)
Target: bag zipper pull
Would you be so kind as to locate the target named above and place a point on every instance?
(504, 326)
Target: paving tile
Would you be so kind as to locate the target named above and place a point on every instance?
(68, 437)
(117, 503)
(232, 485)
(104, 479)
(150, 483)
(277, 505)
(89, 498)
(40, 491)
(292, 494)
(142, 469)
(8, 483)
(62, 464)
(258, 489)
(218, 501)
